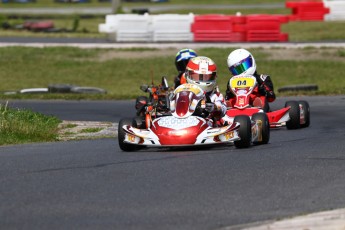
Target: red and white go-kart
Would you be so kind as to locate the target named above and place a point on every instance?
(294, 115)
(179, 128)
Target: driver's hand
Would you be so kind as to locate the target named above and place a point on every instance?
(262, 90)
(210, 107)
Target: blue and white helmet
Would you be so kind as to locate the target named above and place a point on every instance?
(182, 58)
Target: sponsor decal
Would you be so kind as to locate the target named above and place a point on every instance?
(178, 123)
(189, 87)
(213, 131)
(241, 101)
(263, 77)
(229, 135)
(131, 138)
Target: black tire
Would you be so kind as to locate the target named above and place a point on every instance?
(265, 127)
(306, 108)
(121, 136)
(245, 131)
(294, 113)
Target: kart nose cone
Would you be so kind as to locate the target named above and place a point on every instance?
(182, 104)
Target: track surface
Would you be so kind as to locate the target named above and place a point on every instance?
(91, 184)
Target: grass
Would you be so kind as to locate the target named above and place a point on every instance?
(25, 126)
(121, 71)
(90, 130)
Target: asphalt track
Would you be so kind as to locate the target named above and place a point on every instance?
(92, 184)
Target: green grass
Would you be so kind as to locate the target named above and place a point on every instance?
(121, 72)
(25, 126)
(90, 130)
(314, 31)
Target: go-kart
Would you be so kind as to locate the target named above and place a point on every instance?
(294, 115)
(187, 124)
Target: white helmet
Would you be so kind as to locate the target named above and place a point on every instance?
(241, 61)
(202, 71)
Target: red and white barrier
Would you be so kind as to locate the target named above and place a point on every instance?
(336, 10)
(197, 28)
(217, 27)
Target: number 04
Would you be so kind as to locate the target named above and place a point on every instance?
(239, 83)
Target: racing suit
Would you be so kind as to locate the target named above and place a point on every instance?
(179, 79)
(261, 95)
(215, 107)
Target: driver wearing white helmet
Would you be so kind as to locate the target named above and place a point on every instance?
(242, 62)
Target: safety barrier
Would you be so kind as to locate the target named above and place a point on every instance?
(252, 28)
(336, 10)
(265, 28)
(172, 27)
(197, 28)
(307, 10)
(134, 28)
(218, 28)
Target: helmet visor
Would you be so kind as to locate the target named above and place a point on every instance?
(202, 77)
(241, 66)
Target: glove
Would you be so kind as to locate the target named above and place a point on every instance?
(209, 107)
(262, 90)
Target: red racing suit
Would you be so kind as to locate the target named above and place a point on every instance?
(261, 95)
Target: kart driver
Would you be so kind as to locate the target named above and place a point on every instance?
(202, 71)
(241, 61)
(181, 61)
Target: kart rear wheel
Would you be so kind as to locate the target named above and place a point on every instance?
(121, 136)
(265, 127)
(306, 110)
(140, 104)
(294, 113)
(245, 131)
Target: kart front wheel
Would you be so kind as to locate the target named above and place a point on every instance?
(262, 120)
(122, 135)
(294, 113)
(304, 105)
(245, 131)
